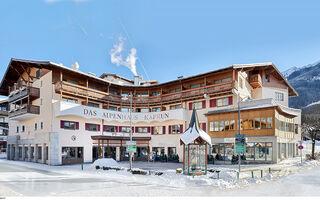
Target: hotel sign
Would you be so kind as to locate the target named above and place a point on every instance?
(64, 108)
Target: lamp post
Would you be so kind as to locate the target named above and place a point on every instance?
(130, 113)
(238, 94)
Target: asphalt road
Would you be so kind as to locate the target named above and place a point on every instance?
(18, 180)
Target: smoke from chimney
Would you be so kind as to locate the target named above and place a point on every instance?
(116, 56)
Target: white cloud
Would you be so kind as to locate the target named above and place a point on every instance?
(116, 56)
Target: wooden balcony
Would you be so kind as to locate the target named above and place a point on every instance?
(24, 112)
(23, 92)
(255, 80)
(185, 95)
(3, 113)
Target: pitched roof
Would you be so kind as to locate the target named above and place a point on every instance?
(194, 131)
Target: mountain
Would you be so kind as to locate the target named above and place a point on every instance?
(306, 81)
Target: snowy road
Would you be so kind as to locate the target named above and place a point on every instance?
(18, 180)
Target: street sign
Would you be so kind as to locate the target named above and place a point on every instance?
(300, 147)
(240, 142)
(131, 146)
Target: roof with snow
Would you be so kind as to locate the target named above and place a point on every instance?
(194, 131)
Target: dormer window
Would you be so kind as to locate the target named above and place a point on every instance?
(267, 78)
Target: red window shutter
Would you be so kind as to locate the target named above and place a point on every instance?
(87, 126)
(116, 128)
(204, 127)
(137, 129)
(203, 104)
(152, 130)
(148, 129)
(61, 123)
(104, 128)
(230, 100)
(77, 125)
(164, 130)
(213, 103)
(190, 106)
(169, 129)
(133, 130)
(98, 127)
(181, 128)
(120, 129)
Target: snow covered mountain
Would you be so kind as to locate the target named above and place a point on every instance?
(306, 80)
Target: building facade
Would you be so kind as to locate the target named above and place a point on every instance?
(3, 125)
(60, 115)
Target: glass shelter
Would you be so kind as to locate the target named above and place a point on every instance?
(195, 142)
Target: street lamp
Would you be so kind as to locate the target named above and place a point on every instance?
(130, 113)
(246, 98)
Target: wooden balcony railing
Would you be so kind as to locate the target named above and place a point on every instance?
(184, 95)
(32, 92)
(255, 80)
(27, 109)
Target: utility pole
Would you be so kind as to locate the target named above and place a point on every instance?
(130, 129)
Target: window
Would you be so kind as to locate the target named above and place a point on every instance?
(72, 153)
(144, 110)
(279, 96)
(175, 107)
(125, 129)
(69, 100)
(155, 109)
(257, 123)
(194, 86)
(41, 125)
(69, 125)
(211, 126)
(175, 129)
(232, 124)
(226, 80)
(223, 102)
(20, 84)
(23, 128)
(158, 130)
(142, 129)
(17, 131)
(197, 105)
(142, 94)
(95, 105)
(70, 81)
(175, 90)
(113, 92)
(216, 81)
(263, 123)
(269, 122)
(247, 124)
(124, 94)
(221, 126)
(267, 78)
(226, 125)
(35, 126)
(38, 73)
(155, 93)
(113, 108)
(109, 129)
(92, 127)
(216, 126)
(125, 110)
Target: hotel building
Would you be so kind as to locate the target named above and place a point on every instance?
(60, 115)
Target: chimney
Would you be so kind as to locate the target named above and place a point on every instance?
(136, 80)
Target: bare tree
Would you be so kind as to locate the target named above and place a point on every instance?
(311, 127)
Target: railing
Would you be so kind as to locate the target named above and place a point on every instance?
(33, 92)
(144, 101)
(3, 112)
(27, 109)
(255, 79)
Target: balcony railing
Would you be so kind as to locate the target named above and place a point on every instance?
(23, 110)
(32, 92)
(255, 80)
(184, 95)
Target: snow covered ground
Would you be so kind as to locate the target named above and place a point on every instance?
(33, 179)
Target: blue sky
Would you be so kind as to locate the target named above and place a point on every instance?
(172, 38)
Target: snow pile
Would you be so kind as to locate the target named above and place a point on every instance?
(106, 162)
(3, 155)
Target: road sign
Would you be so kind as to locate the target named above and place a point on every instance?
(300, 147)
(131, 146)
(240, 142)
